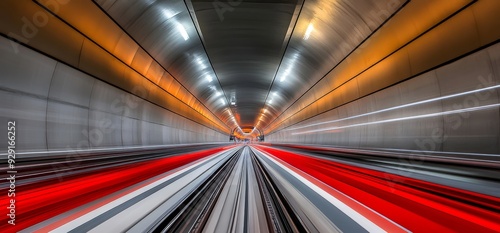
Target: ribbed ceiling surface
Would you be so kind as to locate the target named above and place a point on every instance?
(245, 43)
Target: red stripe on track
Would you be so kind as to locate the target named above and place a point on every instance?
(111, 198)
(472, 197)
(416, 205)
(36, 204)
(379, 220)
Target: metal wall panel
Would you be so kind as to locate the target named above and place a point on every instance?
(155, 72)
(67, 127)
(152, 134)
(25, 70)
(63, 38)
(107, 124)
(479, 127)
(494, 53)
(338, 27)
(389, 71)
(116, 118)
(141, 62)
(131, 132)
(423, 87)
(71, 86)
(99, 63)
(454, 37)
(476, 132)
(486, 16)
(107, 98)
(125, 49)
(411, 127)
(33, 25)
(135, 107)
(30, 116)
(105, 4)
(414, 19)
(91, 25)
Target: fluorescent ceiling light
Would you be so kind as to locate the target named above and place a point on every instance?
(284, 75)
(209, 78)
(168, 13)
(182, 31)
(309, 30)
(200, 62)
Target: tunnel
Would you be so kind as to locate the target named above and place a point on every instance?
(250, 116)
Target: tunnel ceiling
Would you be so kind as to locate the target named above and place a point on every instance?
(248, 61)
(245, 43)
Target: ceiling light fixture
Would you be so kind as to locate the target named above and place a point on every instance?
(200, 62)
(209, 78)
(168, 13)
(284, 75)
(309, 30)
(182, 31)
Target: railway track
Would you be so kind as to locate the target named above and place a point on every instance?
(252, 189)
(239, 197)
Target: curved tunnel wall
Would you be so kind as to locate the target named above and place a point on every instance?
(415, 127)
(70, 90)
(57, 107)
(408, 60)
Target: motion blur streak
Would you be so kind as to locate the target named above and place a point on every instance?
(401, 106)
(250, 116)
(263, 188)
(415, 204)
(405, 118)
(44, 200)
